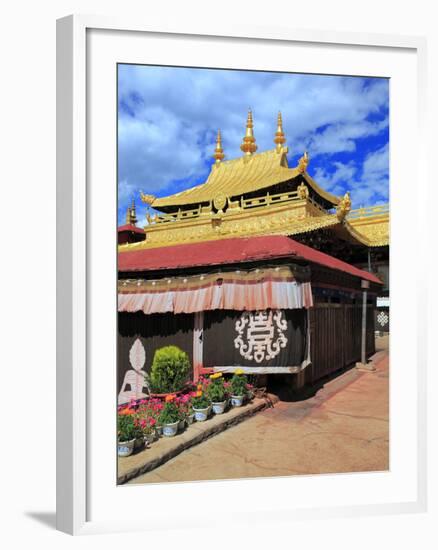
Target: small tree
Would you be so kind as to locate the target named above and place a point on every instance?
(170, 369)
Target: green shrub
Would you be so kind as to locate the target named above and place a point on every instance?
(170, 370)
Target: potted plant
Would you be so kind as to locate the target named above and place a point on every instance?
(201, 405)
(249, 392)
(169, 417)
(217, 392)
(190, 415)
(238, 388)
(169, 372)
(154, 407)
(149, 435)
(147, 413)
(129, 432)
(183, 403)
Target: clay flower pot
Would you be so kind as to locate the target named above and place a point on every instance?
(164, 395)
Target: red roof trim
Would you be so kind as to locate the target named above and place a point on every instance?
(130, 227)
(229, 251)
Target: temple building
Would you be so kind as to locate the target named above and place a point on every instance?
(129, 232)
(298, 246)
(259, 194)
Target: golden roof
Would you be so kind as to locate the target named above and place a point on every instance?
(370, 225)
(239, 176)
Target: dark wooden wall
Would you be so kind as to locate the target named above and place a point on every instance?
(335, 337)
(155, 331)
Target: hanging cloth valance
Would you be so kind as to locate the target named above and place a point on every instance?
(258, 289)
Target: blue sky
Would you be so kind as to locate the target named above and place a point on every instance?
(168, 118)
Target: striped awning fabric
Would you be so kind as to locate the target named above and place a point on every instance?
(252, 290)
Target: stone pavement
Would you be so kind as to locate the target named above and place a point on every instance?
(343, 427)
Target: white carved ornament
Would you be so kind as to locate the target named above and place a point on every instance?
(382, 318)
(134, 382)
(260, 334)
(137, 355)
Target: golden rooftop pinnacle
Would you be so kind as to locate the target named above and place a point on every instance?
(280, 138)
(218, 151)
(131, 218)
(248, 144)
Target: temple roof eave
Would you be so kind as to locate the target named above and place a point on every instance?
(329, 197)
(378, 238)
(205, 193)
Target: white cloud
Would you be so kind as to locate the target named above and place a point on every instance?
(342, 137)
(376, 164)
(339, 179)
(367, 183)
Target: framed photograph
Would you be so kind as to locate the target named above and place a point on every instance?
(237, 310)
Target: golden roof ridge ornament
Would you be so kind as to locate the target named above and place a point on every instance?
(248, 143)
(344, 206)
(147, 199)
(218, 151)
(280, 138)
(303, 163)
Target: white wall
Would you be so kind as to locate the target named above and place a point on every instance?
(27, 124)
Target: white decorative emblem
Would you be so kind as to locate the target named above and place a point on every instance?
(382, 319)
(260, 334)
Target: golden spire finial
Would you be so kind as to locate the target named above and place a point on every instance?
(279, 138)
(218, 151)
(131, 218)
(248, 144)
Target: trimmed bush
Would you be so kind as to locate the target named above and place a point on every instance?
(170, 370)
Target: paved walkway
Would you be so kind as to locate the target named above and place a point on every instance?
(344, 427)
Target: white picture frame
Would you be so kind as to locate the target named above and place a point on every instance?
(76, 211)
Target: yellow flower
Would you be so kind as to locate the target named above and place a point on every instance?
(239, 371)
(199, 387)
(199, 394)
(215, 375)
